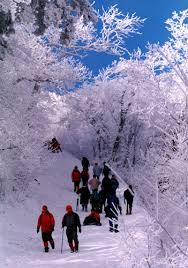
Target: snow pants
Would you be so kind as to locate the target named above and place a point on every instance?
(84, 207)
(72, 236)
(129, 206)
(76, 185)
(113, 226)
(47, 236)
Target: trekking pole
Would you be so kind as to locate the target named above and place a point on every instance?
(62, 241)
(77, 203)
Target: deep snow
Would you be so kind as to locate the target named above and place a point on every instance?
(21, 246)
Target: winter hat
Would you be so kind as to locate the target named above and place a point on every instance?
(45, 208)
(68, 208)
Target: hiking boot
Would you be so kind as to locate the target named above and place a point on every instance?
(71, 248)
(76, 247)
(46, 249)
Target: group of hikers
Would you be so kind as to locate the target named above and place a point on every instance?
(103, 199)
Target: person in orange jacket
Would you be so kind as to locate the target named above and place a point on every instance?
(76, 177)
(46, 222)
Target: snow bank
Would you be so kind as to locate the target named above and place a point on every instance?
(21, 246)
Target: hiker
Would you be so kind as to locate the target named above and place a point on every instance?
(72, 221)
(85, 163)
(128, 199)
(92, 219)
(84, 197)
(55, 146)
(76, 177)
(95, 201)
(112, 210)
(94, 183)
(102, 196)
(114, 183)
(84, 177)
(46, 222)
(97, 170)
(106, 186)
(106, 170)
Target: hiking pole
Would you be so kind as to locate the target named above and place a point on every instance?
(77, 203)
(62, 241)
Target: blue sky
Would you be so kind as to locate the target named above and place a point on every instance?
(153, 30)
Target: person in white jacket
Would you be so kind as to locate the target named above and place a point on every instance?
(97, 170)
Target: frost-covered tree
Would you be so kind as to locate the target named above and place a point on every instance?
(136, 111)
(39, 15)
(38, 40)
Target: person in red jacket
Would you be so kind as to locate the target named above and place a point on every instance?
(76, 177)
(46, 222)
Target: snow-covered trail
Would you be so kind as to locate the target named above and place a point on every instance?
(21, 246)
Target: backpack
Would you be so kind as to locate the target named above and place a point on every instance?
(95, 197)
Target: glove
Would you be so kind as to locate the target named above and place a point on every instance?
(37, 230)
(80, 230)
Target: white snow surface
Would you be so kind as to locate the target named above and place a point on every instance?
(22, 247)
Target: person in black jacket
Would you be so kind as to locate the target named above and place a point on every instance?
(106, 186)
(85, 163)
(114, 183)
(84, 196)
(102, 196)
(72, 221)
(128, 198)
(106, 170)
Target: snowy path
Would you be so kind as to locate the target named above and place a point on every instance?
(21, 246)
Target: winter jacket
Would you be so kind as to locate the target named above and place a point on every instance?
(94, 183)
(114, 184)
(85, 177)
(84, 195)
(97, 170)
(106, 171)
(106, 185)
(113, 207)
(102, 195)
(95, 201)
(76, 176)
(85, 163)
(128, 196)
(71, 221)
(46, 222)
(95, 198)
